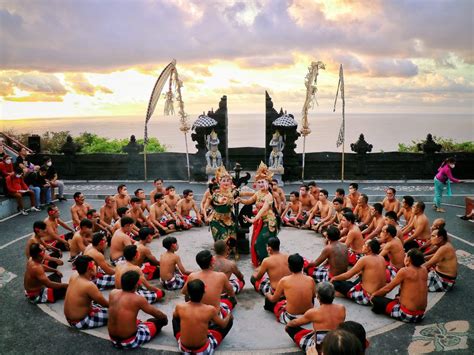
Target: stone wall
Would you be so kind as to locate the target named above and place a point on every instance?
(319, 166)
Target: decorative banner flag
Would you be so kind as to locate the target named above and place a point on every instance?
(340, 87)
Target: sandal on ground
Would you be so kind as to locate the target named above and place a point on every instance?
(440, 210)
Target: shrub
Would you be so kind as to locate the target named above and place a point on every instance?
(447, 145)
(89, 142)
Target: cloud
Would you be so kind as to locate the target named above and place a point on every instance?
(393, 68)
(81, 85)
(32, 86)
(98, 36)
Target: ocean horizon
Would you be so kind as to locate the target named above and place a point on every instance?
(383, 130)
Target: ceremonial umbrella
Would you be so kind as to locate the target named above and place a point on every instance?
(287, 120)
(204, 121)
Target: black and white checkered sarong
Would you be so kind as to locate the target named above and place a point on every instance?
(97, 317)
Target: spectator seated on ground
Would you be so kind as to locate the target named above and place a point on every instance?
(125, 330)
(443, 264)
(324, 318)
(409, 306)
(297, 289)
(198, 327)
(183, 211)
(272, 269)
(216, 285)
(84, 305)
(17, 188)
(173, 274)
(40, 288)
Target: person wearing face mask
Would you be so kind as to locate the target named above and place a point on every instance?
(17, 188)
(52, 177)
(2, 149)
(6, 169)
(443, 179)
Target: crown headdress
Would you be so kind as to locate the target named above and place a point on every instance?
(263, 173)
(221, 171)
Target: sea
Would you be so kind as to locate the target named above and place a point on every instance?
(383, 130)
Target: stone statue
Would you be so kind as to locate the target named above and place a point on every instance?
(275, 160)
(213, 156)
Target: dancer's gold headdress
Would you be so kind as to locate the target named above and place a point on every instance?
(263, 173)
(221, 171)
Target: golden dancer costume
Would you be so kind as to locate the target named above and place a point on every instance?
(265, 222)
(222, 224)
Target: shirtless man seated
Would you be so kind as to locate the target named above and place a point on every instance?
(148, 263)
(140, 193)
(443, 264)
(171, 198)
(228, 267)
(183, 209)
(411, 303)
(161, 218)
(125, 330)
(122, 198)
(40, 288)
(272, 269)
(120, 240)
(81, 239)
(392, 220)
(124, 212)
(105, 274)
(362, 211)
(346, 201)
(324, 318)
(151, 293)
(79, 310)
(390, 202)
(321, 212)
(354, 194)
(376, 224)
(407, 209)
(53, 237)
(292, 211)
(216, 284)
(417, 233)
(297, 289)
(392, 251)
(197, 326)
(173, 274)
(52, 255)
(97, 224)
(108, 212)
(307, 203)
(159, 189)
(79, 209)
(354, 239)
(372, 270)
(333, 259)
(136, 212)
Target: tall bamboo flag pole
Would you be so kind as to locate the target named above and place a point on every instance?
(342, 131)
(170, 72)
(311, 89)
(183, 119)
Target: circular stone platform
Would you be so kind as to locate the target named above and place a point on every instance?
(255, 330)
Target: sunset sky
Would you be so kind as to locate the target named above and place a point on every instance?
(101, 57)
